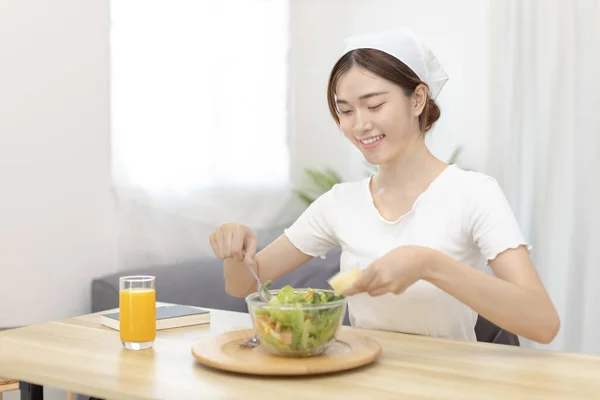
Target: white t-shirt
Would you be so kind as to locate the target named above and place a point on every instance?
(462, 214)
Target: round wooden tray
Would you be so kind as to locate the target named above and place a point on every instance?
(222, 352)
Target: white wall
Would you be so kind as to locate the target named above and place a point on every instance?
(57, 220)
(456, 31)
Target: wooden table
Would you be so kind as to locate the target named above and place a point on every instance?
(80, 356)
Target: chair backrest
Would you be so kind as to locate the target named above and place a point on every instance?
(489, 332)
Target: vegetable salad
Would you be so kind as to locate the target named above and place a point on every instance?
(296, 329)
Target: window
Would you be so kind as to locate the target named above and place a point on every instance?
(199, 94)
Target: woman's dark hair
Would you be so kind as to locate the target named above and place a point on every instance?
(387, 67)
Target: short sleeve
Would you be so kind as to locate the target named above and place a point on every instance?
(312, 233)
(491, 221)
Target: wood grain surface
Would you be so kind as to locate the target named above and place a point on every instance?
(79, 355)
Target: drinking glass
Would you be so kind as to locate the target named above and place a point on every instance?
(137, 311)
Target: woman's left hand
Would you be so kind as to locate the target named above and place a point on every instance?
(394, 272)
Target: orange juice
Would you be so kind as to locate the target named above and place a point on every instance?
(137, 308)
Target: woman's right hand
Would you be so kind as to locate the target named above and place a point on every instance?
(234, 241)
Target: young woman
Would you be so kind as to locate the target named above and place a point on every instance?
(418, 228)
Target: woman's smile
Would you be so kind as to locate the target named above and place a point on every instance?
(371, 142)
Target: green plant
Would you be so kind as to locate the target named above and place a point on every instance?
(321, 182)
(454, 155)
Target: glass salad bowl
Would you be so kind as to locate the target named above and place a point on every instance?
(297, 322)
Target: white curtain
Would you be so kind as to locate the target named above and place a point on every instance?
(545, 147)
(199, 123)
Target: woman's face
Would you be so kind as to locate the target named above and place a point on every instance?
(376, 115)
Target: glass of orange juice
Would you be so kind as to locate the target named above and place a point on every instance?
(137, 311)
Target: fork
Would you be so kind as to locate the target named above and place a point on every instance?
(264, 295)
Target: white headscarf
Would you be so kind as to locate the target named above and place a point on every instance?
(404, 45)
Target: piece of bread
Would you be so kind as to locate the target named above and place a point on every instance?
(344, 280)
